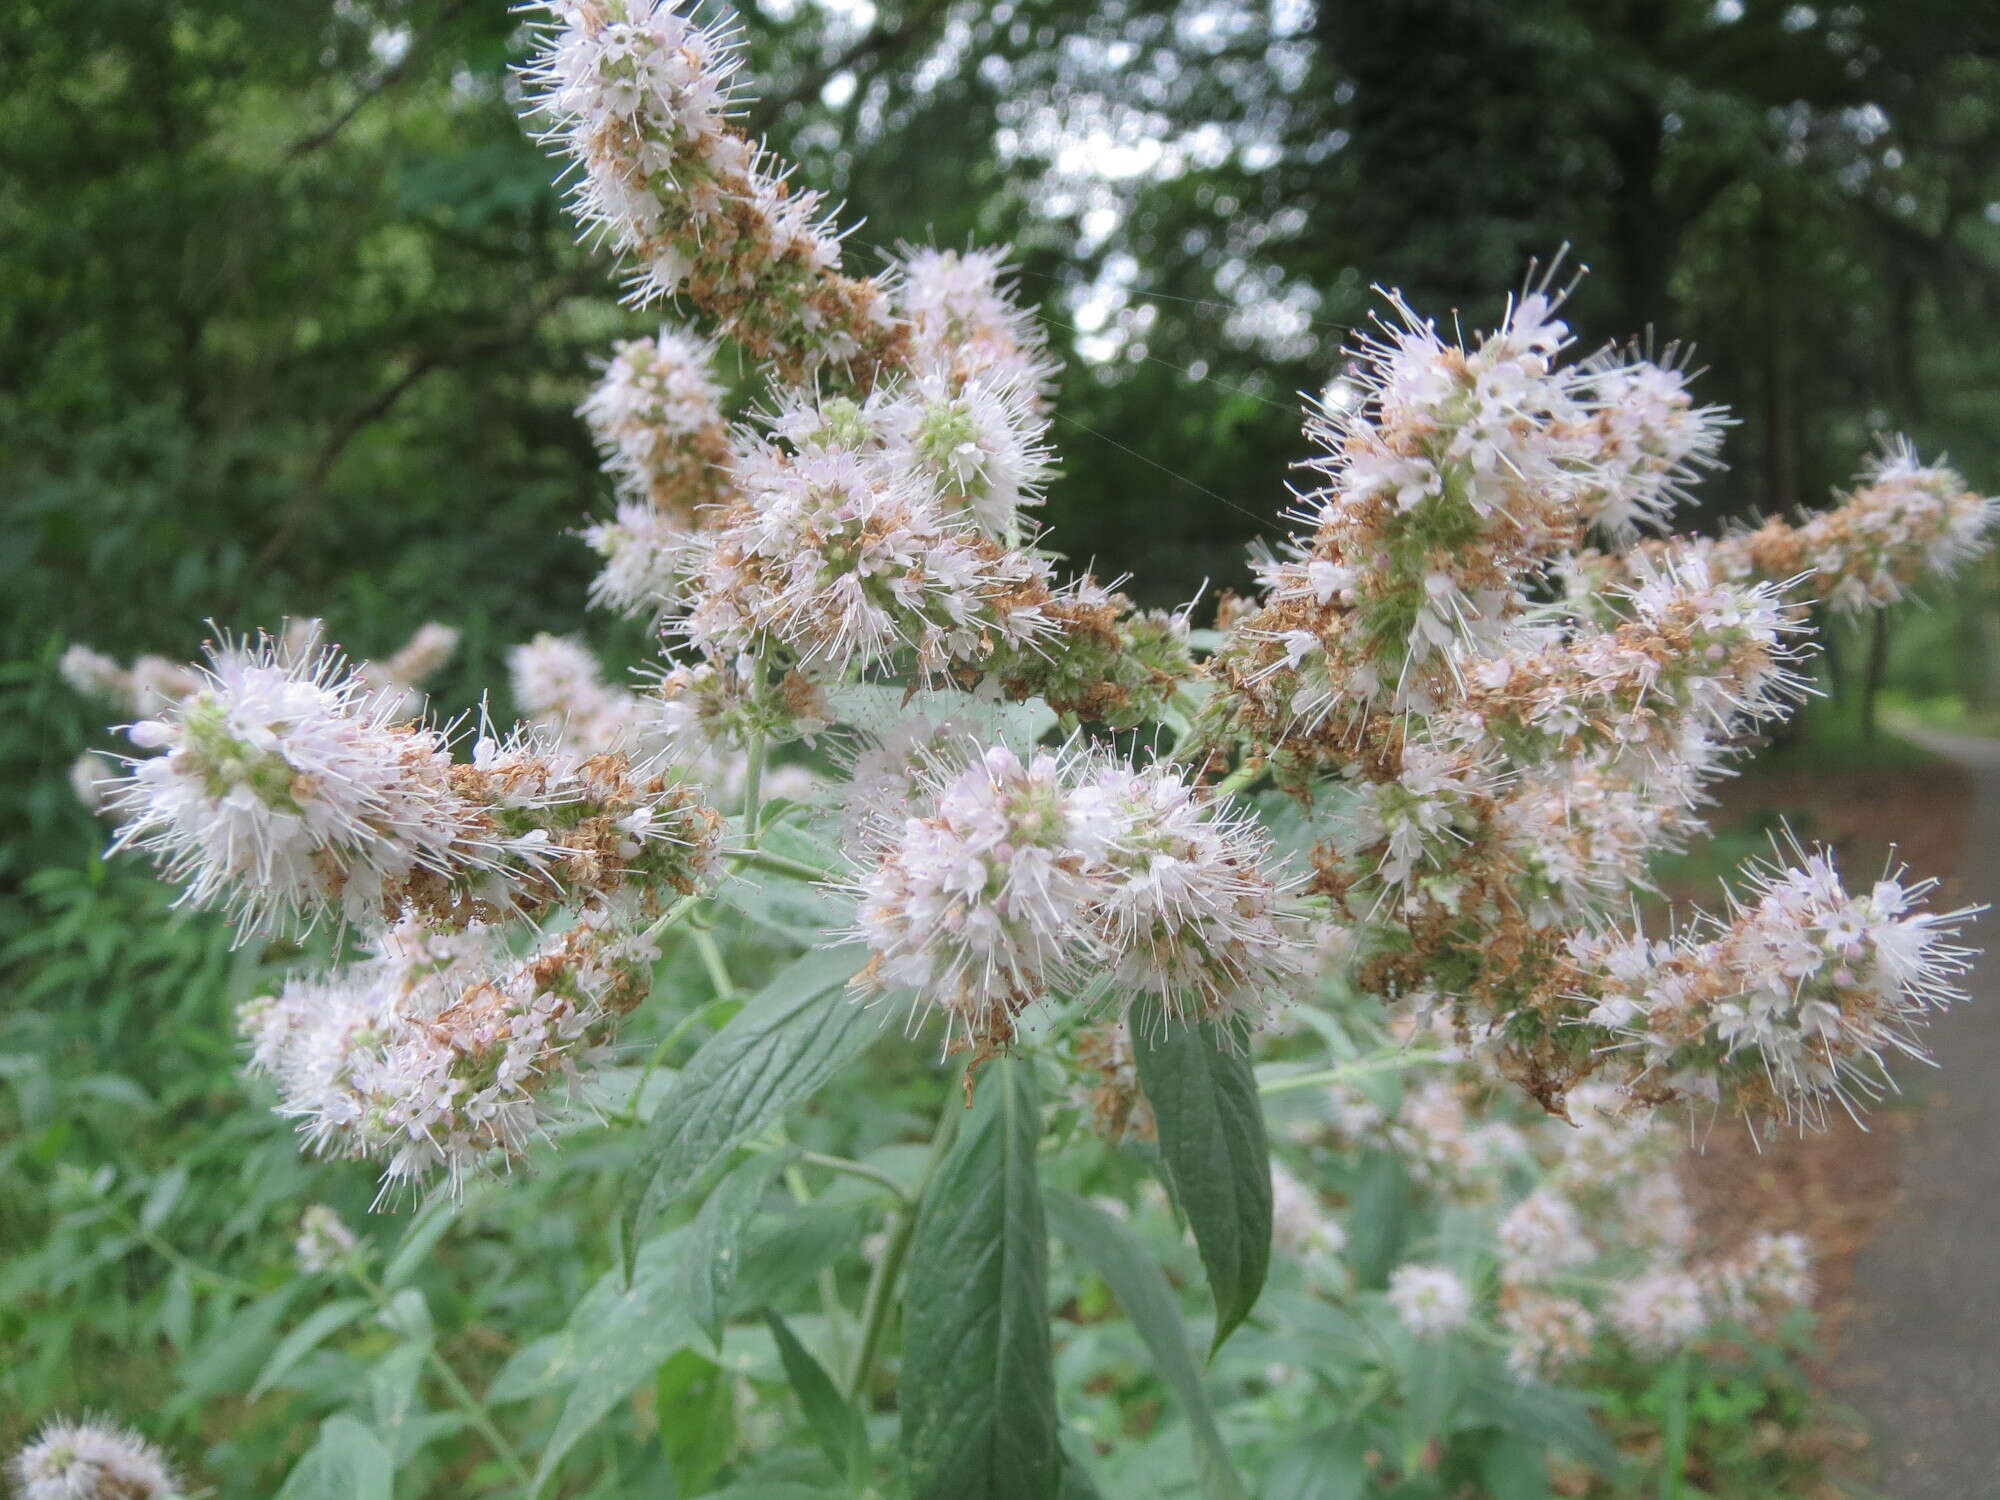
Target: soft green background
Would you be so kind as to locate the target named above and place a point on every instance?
(292, 323)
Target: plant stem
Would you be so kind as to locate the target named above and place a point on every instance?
(880, 1296)
(1381, 1062)
(778, 864)
(1240, 778)
(711, 960)
(753, 789)
(167, 1251)
(858, 1169)
(461, 1394)
(673, 916)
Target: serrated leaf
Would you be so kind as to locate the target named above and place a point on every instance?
(834, 1421)
(978, 1389)
(789, 1038)
(302, 1340)
(1141, 1289)
(1213, 1154)
(715, 1240)
(348, 1462)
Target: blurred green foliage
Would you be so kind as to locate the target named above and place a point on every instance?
(294, 325)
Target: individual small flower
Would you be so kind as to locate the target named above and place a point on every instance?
(1431, 1301)
(93, 777)
(1659, 1312)
(90, 1460)
(1540, 1237)
(657, 419)
(94, 674)
(439, 1052)
(423, 655)
(324, 1243)
(1545, 1334)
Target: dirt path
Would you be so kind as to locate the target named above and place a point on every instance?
(1920, 1358)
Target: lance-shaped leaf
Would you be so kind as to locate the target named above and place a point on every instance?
(1141, 1289)
(715, 1242)
(1213, 1153)
(789, 1038)
(978, 1388)
(834, 1421)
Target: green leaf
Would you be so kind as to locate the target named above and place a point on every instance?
(160, 1201)
(797, 911)
(1514, 1469)
(1542, 1413)
(432, 1222)
(978, 1390)
(347, 1463)
(1141, 1289)
(308, 1336)
(225, 1360)
(1377, 1217)
(1213, 1153)
(695, 1399)
(715, 1242)
(786, 1251)
(790, 1037)
(617, 1336)
(772, 1489)
(1331, 1464)
(835, 1423)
